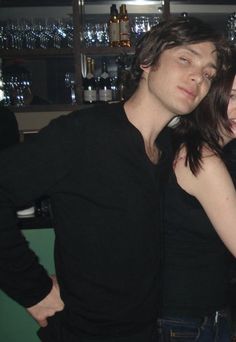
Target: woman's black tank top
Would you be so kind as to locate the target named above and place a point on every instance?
(195, 261)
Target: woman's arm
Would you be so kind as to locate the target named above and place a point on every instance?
(214, 189)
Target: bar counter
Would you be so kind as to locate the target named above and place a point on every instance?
(35, 222)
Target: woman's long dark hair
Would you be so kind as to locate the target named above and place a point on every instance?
(204, 126)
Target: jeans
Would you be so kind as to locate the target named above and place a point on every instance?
(213, 328)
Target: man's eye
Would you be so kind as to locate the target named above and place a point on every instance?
(208, 76)
(184, 60)
(233, 97)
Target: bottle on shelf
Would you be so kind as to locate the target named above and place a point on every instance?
(89, 83)
(124, 27)
(124, 86)
(231, 28)
(93, 67)
(114, 27)
(2, 95)
(104, 88)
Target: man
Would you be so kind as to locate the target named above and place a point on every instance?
(102, 169)
(9, 132)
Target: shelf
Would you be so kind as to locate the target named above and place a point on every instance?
(133, 7)
(107, 51)
(14, 3)
(206, 2)
(36, 53)
(179, 7)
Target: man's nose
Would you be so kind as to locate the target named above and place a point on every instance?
(197, 76)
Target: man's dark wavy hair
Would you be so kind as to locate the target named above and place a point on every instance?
(204, 126)
(176, 32)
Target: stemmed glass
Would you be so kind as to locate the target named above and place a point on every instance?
(70, 84)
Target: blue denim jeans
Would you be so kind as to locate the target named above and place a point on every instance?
(213, 328)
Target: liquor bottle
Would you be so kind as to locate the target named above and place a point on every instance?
(2, 95)
(124, 84)
(89, 84)
(121, 82)
(105, 92)
(124, 27)
(114, 27)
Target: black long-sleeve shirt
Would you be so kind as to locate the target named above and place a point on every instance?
(105, 198)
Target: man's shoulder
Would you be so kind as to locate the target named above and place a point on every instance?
(90, 121)
(100, 111)
(98, 115)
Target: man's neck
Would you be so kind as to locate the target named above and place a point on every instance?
(146, 118)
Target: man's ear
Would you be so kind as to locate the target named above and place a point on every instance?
(145, 68)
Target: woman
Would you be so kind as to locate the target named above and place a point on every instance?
(199, 222)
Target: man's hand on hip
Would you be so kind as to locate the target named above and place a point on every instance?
(48, 306)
